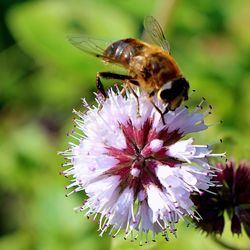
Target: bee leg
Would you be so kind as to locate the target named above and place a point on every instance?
(114, 76)
(111, 75)
(108, 75)
(100, 87)
(128, 79)
(166, 110)
(129, 87)
(101, 93)
(162, 114)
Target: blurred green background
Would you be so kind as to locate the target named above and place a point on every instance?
(43, 77)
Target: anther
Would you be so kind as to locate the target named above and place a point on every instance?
(212, 144)
(214, 124)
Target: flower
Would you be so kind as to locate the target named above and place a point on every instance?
(232, 196)
(137, 172)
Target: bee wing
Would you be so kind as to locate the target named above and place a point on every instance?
(153, 28)
(89, 45)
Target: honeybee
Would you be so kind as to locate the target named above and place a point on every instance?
(151, 67)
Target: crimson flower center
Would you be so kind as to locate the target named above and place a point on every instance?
(145, 149)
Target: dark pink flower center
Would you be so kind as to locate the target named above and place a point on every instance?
(137, 162)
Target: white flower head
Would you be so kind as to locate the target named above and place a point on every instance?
(138, 172)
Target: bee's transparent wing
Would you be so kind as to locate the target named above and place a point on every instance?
(89, 45)
(153, 28)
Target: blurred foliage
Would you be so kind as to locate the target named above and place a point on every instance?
(43, 78)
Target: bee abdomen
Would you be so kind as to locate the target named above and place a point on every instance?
(122, 51)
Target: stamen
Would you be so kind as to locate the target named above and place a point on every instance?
(94, 218)
(208, 111)
(218, 155)
(165, 235)
(214, 124)
(70, 193)
(66, 164)
(111, 230)
(85, 103)
(153, 237)
(76, 133)
(141, 238)
(132, 212)
(100, 221)
(199, 106)
(215, 143)
(128, 230)
(71, 135)
(146, 236)
(132, 237)
(72, 144)
(70, 185)
(117, 232)
(157, 221)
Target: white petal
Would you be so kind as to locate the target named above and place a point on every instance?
(166, 176)
(188, 177)
(156, 145)
(104, 187)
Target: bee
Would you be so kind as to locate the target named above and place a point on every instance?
(151, 67)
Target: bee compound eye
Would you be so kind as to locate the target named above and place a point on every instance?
(183, 86)
(166, 92)
(173, 89)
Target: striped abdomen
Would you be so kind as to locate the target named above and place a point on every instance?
(122, 51)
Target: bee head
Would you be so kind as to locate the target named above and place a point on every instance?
(174, 92)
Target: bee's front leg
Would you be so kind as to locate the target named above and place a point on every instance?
(150, 96)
